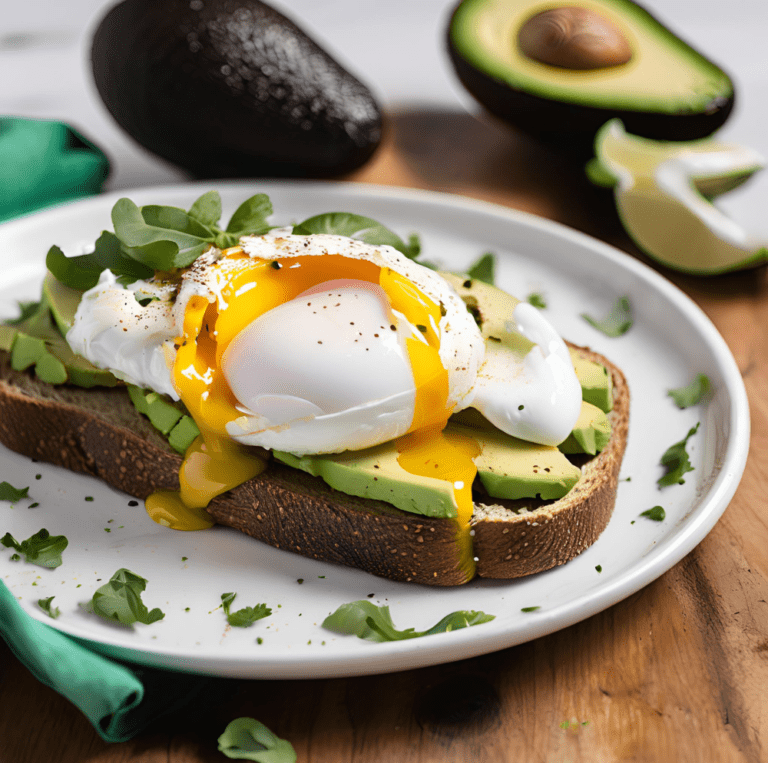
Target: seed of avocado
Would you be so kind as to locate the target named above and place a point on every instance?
(228, 88)
(651, 79)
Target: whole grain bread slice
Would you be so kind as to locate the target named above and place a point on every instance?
(99, 432)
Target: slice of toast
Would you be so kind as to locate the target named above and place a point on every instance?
(98, 432)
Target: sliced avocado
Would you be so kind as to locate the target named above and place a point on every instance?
(596, 382)
(375, 473)
(662, 206)
(642, 72)
(590, 434)
(231, 88)
(166, 416)
(62, 300)
(507, 467)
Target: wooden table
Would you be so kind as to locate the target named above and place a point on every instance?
(677, 672)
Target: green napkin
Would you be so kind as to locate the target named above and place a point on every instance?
(118, 699)
(45, 162)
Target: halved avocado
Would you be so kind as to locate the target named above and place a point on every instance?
(630, 66)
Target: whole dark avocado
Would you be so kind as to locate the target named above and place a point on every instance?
(560, 71)
(231, 88)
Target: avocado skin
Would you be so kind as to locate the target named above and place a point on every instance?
(573, 127)
(231, 88)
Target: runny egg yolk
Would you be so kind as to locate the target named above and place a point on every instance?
(249, 287)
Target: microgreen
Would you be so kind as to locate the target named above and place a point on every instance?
(245, 617)
(483, 269)
(691, 394)
(10, 493)
(617, 322)
(358, 227)
(42, 548)
(676, 461)
(249, 739)
(657, 514)
(48, 608)
(120, 600)
(537, 300)
(365, 620)
(157, 237)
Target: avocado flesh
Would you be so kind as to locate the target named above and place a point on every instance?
(667, 90)
(508, 468)
(662, 208)
(38, 341)
(590, 434)
(231, 88)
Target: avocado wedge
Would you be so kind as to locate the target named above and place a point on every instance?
(663, 192)
(560, 71)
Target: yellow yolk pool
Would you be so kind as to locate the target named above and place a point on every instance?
(249, 287)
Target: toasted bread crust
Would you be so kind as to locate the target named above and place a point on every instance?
(98, 432)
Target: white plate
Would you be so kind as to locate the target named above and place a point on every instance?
(671, 340)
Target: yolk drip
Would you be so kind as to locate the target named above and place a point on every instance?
(249, 287)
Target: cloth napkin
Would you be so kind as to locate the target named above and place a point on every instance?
(120, 700)
(44, 162)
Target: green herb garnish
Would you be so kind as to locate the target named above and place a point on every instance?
(685, 397)
(245, 617)
(10, 493)
(657, 514)
(530, 609)
(484, 269)
(537, 300)
(120, 600)
(676, 461)
(358, 227)
(617, 322)
(249, 739)
(365, 620)
(156, 237)
(42, 548)
(45, 605)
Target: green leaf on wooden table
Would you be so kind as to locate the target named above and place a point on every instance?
(120, 600)
(366, 620)
(249, 739)
(692, 394)
(617, 322)
(676, 461)
(42, 548)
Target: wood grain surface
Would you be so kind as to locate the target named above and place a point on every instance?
(677, 672)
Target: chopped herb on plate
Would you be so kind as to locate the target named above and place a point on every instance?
(676, 461)
(692, 394)
(617, 322)
(120, 600)
(42, 548)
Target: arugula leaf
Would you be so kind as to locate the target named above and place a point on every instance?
(120, 600)
(249, 739)
(81, 272)
(657, 514)
(617, 322)
(251, 216)
(358, 227)
(483, 269)
(677, 462)
(42, 548)
(366, 620)
(45, 605)
(10, 493)
(26, 311)
(685, 397)
(245, 617)
(537, 300)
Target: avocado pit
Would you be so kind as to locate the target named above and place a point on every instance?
(574, 38)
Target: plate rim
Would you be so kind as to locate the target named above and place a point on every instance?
(475, 641)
